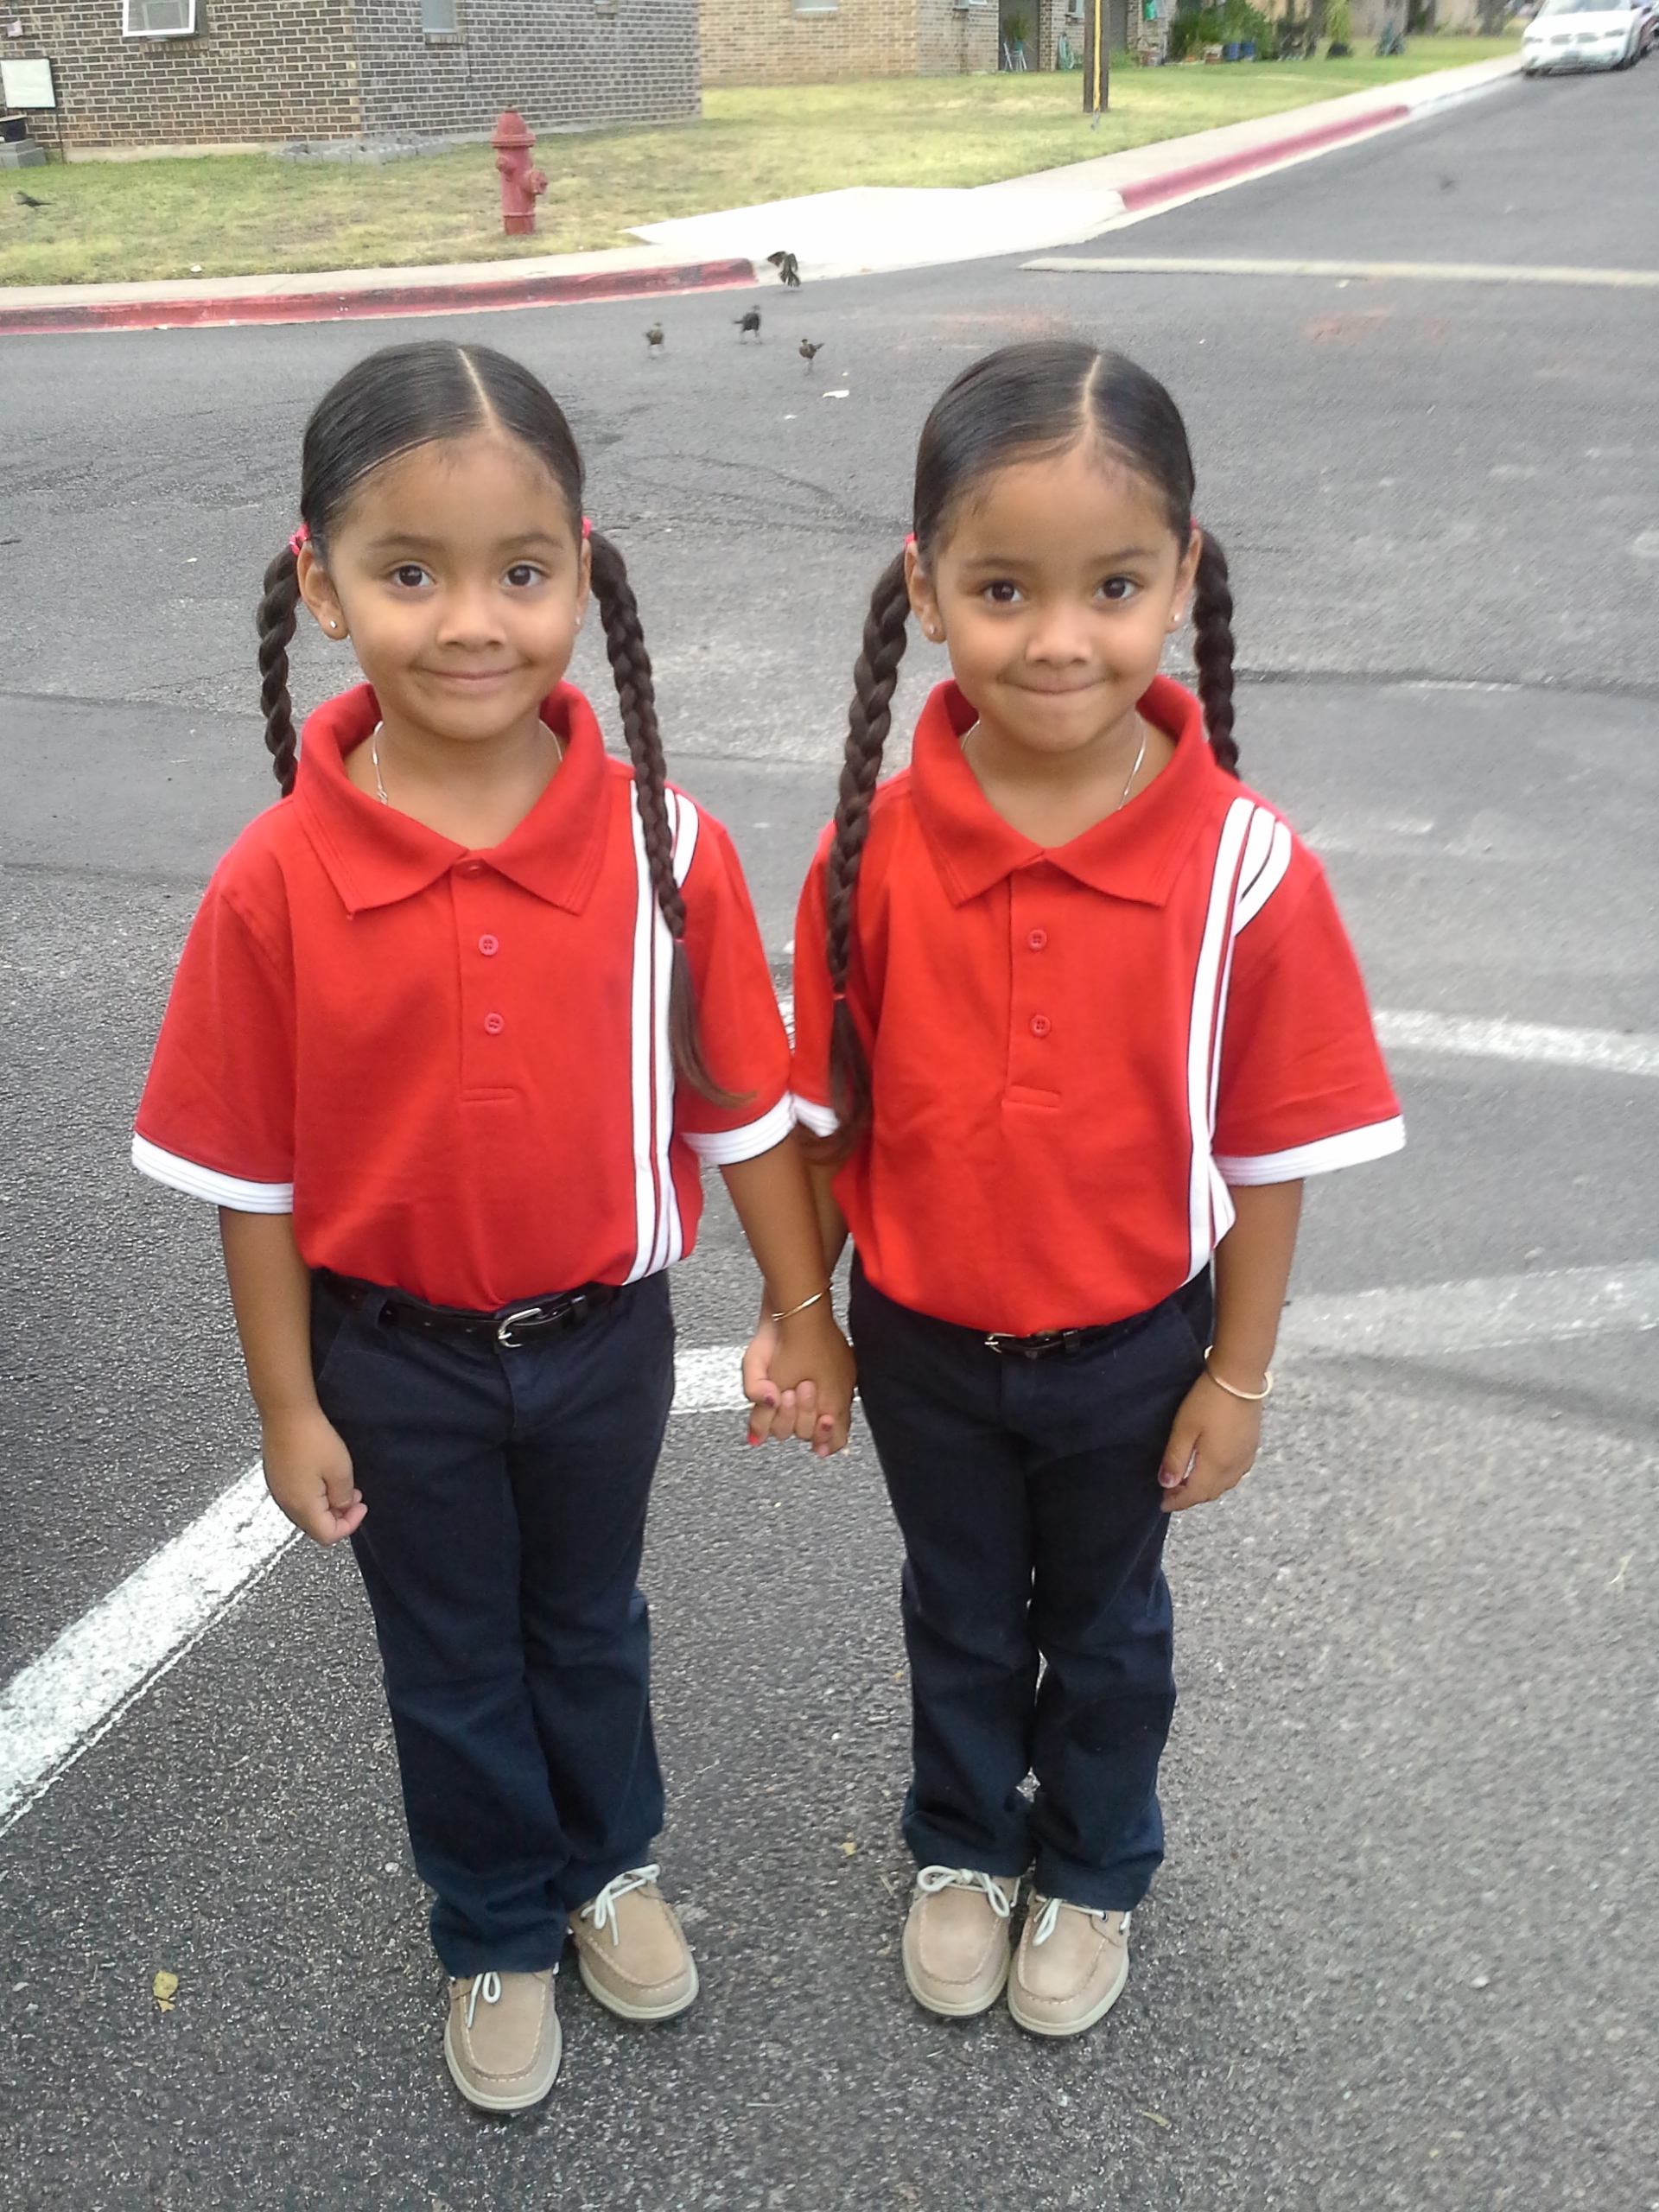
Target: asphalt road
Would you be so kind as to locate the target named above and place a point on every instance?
(1405, 1949)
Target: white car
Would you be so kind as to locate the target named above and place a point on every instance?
(1584, 35)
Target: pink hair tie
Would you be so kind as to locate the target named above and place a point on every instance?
(301, 537)
(587, 529)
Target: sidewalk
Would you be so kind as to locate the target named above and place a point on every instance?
(863, 230)
(870, 228)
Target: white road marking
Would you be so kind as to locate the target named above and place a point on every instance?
(1441, 1319)
(1608, 1051)
(1433, 272)
(62, 1704)
(80, 1686)
(58, 1706)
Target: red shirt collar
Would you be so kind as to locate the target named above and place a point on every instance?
(1135, 853)
(375, 856)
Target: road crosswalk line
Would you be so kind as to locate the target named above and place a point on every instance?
(57, 1708)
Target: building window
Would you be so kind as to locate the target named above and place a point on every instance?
(159, 18)
(438, 18)
(817, 7)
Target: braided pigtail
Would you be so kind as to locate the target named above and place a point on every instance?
(625, 642)
(1212, 650)
(868, 723)
(274, 618)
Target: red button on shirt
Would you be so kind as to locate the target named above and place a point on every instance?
(488, 944)
(1013, 1187)
(326, 1047)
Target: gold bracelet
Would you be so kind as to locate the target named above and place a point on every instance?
(802, 1307)
(1249, 1397)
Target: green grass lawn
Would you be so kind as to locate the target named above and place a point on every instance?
(241, 214)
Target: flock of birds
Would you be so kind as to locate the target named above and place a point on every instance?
(747, 324)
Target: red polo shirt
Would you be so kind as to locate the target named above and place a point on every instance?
(1075, 1051)
(453, 1066)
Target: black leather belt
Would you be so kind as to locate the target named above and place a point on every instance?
(1070, 1341)
(509, 1326)
(1192, 1298)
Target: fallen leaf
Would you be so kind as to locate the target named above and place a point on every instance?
(849, 1847)
(1157, 2116)
(164, 1989)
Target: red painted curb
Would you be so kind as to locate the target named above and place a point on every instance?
(471, 297)
(1176, 181)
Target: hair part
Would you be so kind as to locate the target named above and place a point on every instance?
(1020, 404)
(433, 393)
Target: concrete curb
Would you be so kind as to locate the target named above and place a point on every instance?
(202, 307)
(1201, 176)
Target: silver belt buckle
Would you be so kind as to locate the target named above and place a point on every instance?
(505, 1327)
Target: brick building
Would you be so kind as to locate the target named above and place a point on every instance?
(824, 41)
(147, 73)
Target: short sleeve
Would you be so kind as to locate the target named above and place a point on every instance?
(1303, 1086)
(814, 1002)
(217, 1115)
(745, 1047)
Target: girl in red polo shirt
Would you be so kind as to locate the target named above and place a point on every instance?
(1075, 1015)
(452, 1033)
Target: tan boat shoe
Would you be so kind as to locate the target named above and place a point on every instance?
(631, 1950)
(502, 2039)
(1071, 1967)
(956, 1946)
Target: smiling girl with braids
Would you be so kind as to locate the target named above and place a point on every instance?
(453, 1029)
(1075, 1015)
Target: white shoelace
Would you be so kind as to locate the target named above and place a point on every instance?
(1049, 1916)
(930, 1880)
(489, 1984)
(602, 1910)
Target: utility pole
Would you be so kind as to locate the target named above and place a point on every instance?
(1097, 61)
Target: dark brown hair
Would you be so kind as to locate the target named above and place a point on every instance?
(410, 396)
(1016, 404)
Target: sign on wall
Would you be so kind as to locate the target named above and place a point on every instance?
(28, 84)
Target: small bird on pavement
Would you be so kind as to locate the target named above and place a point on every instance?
(748, 323)
(29, 200)
(789, 269)
(807, 350)
(654, 338)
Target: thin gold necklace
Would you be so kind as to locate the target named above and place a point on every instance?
(1140, 756)
(380, 781)
(1134, 772)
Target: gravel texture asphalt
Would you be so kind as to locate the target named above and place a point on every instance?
(1405, 1949)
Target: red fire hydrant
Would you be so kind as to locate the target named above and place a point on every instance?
(521, 185)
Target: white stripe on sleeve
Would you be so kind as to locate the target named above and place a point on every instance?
(725, 1148)
(1350, 1149)
(822, 1120)
(1256, 891)
(1201, 1030)
(198, 1182)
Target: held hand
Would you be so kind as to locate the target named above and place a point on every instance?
(1211, 1446)
(765, 1399)
(309, 1472)
(799, 1375)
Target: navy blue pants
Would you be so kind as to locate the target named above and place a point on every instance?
(506, 1495)
(1026, 1493)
